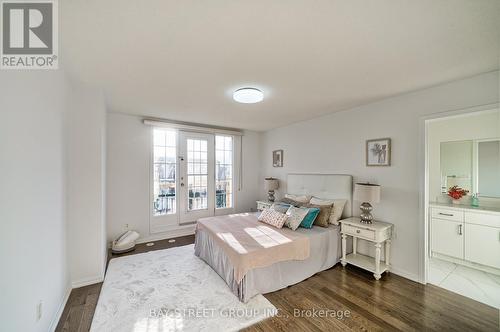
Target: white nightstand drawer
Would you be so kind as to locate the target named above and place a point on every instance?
(447, 214)
(359, 232)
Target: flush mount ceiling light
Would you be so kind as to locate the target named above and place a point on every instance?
(248, 95)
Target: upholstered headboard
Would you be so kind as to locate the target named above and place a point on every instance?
(328, 186)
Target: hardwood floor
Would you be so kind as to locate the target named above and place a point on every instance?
(391, 304)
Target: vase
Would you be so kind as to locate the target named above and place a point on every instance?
(455, 201)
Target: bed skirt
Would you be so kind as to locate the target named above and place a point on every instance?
(325, 253)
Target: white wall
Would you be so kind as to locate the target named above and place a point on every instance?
(32, 206)
(128, 172)
(86, 133)
(336, 144)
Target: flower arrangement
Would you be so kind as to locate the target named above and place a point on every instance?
(456, 192)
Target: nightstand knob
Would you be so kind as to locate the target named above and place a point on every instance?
(358, 231)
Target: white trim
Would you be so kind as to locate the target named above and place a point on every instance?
(489, 108)
(192, 127)
(405, 274)
(166, 221)
(60, 310)
(185, 215)
(187, 230)
(86, 281)
(424, 175)
(472, 265)
(235, 171)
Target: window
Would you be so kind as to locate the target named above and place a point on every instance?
(223, 172)
(191, 172)
(197, 173)
(164, 169)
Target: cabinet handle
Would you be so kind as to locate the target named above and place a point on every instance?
(459, 229)
(446, 214)
(358, 231)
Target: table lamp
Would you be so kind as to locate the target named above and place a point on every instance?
(367, 193)
(271, 185)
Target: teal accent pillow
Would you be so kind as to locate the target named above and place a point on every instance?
(308, 220)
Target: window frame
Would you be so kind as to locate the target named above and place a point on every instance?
(168, 222)
(162, 222)
(233, 174)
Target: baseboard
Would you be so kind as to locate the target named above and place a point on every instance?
(405, 274)
(472, 265)
(60, 310)
(86, 282)
(168, 234)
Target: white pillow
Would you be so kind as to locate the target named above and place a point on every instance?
(338, 207)
(299, 198)
(295, 217)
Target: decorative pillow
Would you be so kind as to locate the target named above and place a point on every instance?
(291, 202)
(280, 207)
(309, 218)
(338, 207)
(321, 201)
(295, 217)
(324, 214)
(273, 218)
(299, 198)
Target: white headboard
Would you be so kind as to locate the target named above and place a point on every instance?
(328, 186)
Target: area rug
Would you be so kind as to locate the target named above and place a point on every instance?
(171, 290)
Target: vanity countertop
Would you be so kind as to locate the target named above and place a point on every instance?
(466, 207)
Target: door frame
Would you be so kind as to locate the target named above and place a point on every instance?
(423, 158)
(162, 223)
(159, 227)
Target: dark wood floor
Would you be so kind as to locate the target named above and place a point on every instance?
(393, 303)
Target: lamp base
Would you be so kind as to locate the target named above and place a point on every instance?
(366, 216)
(270, 195)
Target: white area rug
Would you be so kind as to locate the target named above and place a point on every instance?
(171, 290)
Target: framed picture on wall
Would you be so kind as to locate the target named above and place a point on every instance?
(278, 158)
(378, 152)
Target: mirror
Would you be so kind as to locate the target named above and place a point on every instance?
(456, 165)
(488, 168)
(472, 165)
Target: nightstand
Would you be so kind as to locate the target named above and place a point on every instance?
(261, 205)
(378, 233)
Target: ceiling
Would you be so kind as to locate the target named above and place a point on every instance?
(182, 60)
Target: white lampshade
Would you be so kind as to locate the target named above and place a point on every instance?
(271, 184)
(367, 192)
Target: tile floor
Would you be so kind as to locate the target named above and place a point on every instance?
(478, 285)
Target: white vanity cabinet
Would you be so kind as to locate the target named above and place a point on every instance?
(451, 231)
(466, 235)
(483, 245)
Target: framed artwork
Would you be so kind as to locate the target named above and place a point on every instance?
(278, 158)
(378, 152)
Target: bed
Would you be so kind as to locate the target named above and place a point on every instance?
(254, 267)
